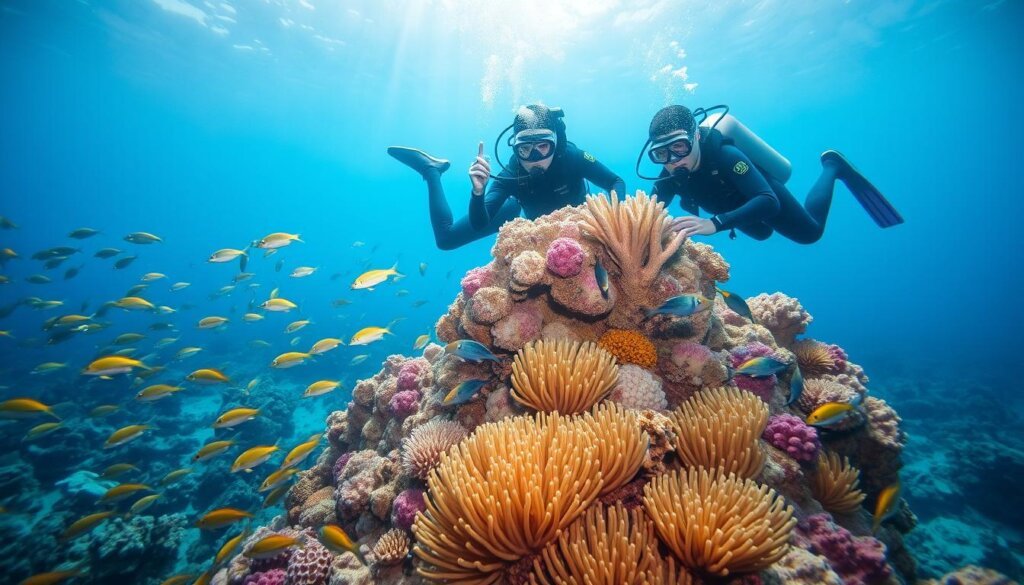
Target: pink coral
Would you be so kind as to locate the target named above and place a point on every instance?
(565, 257)
(839, 357)
(405, 507)
(791, 434)
(527, 269)
(858, 560)
(638, 389)
(310, 565)
(522, 326)
(410, 374)
(404, 403)
(475, 279)
(271, 577)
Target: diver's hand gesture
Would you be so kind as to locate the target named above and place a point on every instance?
(692, 225)
(480, 171)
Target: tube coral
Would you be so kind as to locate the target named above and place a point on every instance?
(834, 484)
(562, 376)
(629, 347)
(719, 523)
(422, 450)
(721, 428)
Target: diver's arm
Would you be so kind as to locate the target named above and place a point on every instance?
(482, 208)
(761, 202)
(594, 171)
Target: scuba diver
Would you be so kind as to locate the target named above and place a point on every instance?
(733, 174)
(548, 173)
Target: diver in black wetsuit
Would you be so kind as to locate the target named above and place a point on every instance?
(548, 173)
(708, 171)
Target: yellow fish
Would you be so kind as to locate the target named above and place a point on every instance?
(187, 352)
(278, 305)
(42, 429)
(300, 452)
(421, 341)
(277, 478)
(175, 475)
(320, 388)
(210, 450)
(225, 255)
(117, 469)
(24, 408)
(831, 414)
(125, 434)
(289, 359)
(253, 457)
(68, 320)
(296, 325)
(131, 303)
(251, 317)
(235, 417)
(51, 578)
(368, 335)
(277, 240)
(180, 285)
(325, 345)
(85, 523)
(221, 517)
(104, 410)
(211, 322)
(143, 503)
(124, 490)
(271, 546)
(229, 547)
(207, 376)
(336, 539)
(156, 392)
(126, 338)
(275, 496)
(112, 364)
(151, 276)
(372, 278)
(142, 238)
(48, 367)
(887, 505)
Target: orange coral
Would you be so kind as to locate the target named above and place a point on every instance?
(629, 347)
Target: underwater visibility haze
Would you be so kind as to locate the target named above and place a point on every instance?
(236, 347)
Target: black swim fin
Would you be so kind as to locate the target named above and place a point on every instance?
(418, 160)
(870, 198)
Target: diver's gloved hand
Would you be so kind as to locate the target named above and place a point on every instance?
(692, 225)
(480, 171)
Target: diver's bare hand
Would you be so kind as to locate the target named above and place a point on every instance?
(692, 225)
(480, 171)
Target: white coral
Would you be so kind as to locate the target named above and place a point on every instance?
(638, 389)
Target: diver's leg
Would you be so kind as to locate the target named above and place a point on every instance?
(461, 232)
(759, 231)
(870, 198)
(804, 224)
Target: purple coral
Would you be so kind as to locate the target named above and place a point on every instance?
(339, 466)
(475, 279)
(271, 577)
(791, 434)
(565, 257)
(405, 507)
(310, 565)
(858, 560)
(404, 403)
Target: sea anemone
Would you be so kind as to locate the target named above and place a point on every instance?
(391, 548)
(814, 358)
(562, 376)
(422, 451)
(834, 484)
(721, 428)
(629, 347)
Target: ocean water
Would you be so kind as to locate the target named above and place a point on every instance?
(213, 124)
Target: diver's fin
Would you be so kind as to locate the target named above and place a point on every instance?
(870, 198)
(418, 160)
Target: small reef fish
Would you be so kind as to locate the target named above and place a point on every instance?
(24, 408)
(211, 450)
(124, 490)
(356, 360)
(107, 253)
(368, 335)
(461, 393)
(112, 364)
(372, 278)
(85, 523)
(142, 504)
(681, 306)
(229, 547)
(221, 517)
(886, 506)
(125, 434)
(131, 303)
(151, 276)
(51, 578)
(275, 496)
(187, 352)
(175, 475)
(302, 271)
(290, 359)
(235, 417)
(117, 469)
(423, 268)
(300, 452)
(259, 344)
(278, 305)
(421, 341)
(736, 303)
(832, 414)
(104, 410)
(320, 388)
(601, 277)
(82, 233)
(272, 545)
(337, 540)
(796, 386)
(277, 478)
(324, 345)
(340, 302)
(418, 304)
(38, 279)
(126, 338)
(180, 285)
(211, 322)
(276, 240)
(42, 429)
(252, 317)
(471, 351)
(72, 272)
(48, 367)
(761, 367)
(124, 262)
(207, 376)
(296, 325)
(253, 457)
(225, 255)
(142, 238)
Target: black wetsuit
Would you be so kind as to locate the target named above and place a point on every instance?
(744, 197)
(563, 184)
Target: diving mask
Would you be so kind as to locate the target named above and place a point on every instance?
(534, 145)
(671, 148)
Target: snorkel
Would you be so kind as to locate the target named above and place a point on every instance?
(670, 132)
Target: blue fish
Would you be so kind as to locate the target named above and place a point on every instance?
(463, 392)
(601, 276)
(736, 303)
(471, 351)
(681, 306)
(796, 386)
(761, 367)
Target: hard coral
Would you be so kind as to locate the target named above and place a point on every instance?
(791, 434)
(311, 564)
(408, 503)
(565, 257)
(858, 560)
(784, 316)
(638, 389)
(629, 347)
